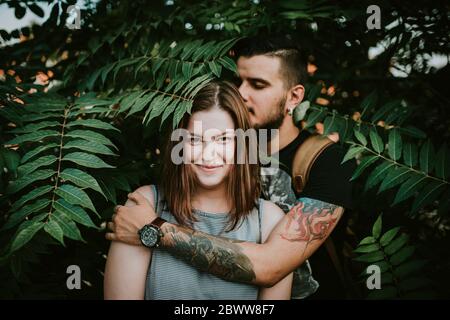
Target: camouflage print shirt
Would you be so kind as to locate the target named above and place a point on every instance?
(276, 187)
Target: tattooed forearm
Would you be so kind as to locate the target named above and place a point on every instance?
(219, 256)
(310, 220)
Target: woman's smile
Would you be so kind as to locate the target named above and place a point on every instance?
(209, 168)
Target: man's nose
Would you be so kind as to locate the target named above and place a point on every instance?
(243, 91)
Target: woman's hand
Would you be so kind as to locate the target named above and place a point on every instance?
(128, 220)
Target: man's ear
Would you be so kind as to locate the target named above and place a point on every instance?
(296, 95)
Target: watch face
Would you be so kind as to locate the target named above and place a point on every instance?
(149, 236)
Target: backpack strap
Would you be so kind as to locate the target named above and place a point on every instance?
(304, 158)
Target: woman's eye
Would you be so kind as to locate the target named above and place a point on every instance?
(224, 139)
(195, 140)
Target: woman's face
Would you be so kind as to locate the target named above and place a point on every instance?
(209, 149)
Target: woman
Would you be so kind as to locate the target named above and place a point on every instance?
(214, 190)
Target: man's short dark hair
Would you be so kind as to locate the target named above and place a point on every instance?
(293, 66)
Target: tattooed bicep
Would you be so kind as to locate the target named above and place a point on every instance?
(311, 220)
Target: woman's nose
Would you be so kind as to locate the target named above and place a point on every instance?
(209, 151)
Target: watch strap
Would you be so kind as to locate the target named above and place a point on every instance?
(158, 222)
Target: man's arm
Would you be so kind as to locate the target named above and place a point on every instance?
(295, 238)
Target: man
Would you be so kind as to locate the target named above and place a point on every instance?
(271, 73)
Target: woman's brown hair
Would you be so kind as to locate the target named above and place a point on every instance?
(179, 182)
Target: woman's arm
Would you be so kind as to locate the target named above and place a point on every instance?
(127, 265)
(272, 214)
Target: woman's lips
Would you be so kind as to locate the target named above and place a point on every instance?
(208, 168)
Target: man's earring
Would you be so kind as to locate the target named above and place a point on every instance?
(290, 111)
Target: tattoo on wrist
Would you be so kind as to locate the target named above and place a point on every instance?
(217, 255)
(310, 220)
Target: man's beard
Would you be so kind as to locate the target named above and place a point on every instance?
(276, 119)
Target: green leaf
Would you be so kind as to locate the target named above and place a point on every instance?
(215, 68)
(109, 191)
(141, 103)
(402, 255)
(89, 146)
(90, 136)
(315, 116)
(22, 182)
(81, 179)
(30, 154)
(367, 248)
(76, 196)
(442, 163)
(395, 176)
(187, 69)
(378, 174)
(408, 188)
(384, 110)
(370, 257)
(52, 228)
(228, 64)
(388, 236)
(376, 229)
(408, 268)
(395, 144)
(128, 100)
(369, 102)
(377, 142)
(330, 124)
(427, 195)
(32, 127)
(17, 216)
(34, 136)
(74, 212)
(157, 109)
(352, 152)
(361, 138)
(36, 164)
(365, 162)
(367, 240)
(426, 157)
(25, 235)
(410, 154)
(68, 227)
(180, 111)
(94, 123)
(413, 132)
(397, 244)
(86, 160)
(300, 111)
(30, 196)
(11, 159)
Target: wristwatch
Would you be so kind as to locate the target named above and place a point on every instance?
(151, 233)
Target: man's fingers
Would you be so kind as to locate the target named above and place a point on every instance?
(111, 226)
(110, 236)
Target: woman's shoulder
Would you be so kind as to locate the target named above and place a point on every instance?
(271, 214)
(148, 191)
(271, 209)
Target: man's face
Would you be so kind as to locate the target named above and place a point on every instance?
(263, 90)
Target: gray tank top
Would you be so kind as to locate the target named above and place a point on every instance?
(169, 278)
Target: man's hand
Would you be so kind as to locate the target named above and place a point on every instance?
(129, 219)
